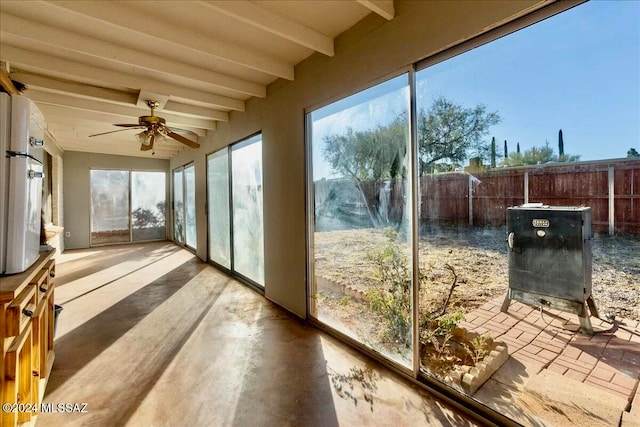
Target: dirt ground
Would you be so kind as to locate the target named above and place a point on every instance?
(478, 257)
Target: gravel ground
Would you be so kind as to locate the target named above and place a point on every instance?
(479, 258)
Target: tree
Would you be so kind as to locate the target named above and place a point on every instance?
(537, 156)
(518, 148)
(453, 133)
(161, 206)
(506, 151)
(371, 155)
(143, 218)
(633, 153)
(448, 134)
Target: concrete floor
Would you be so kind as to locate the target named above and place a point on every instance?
(152, 336)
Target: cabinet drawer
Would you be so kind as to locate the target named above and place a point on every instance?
(50, 266)
(41, 283)
(20, 311)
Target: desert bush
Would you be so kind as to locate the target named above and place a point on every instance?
(479, 347)
(392, 300)
(439, 332)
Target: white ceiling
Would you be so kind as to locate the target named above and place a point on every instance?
(90, 64)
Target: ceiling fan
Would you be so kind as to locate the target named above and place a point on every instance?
(155, 130)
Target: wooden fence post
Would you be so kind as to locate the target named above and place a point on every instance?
(470, 200)
(526, 187)
(611, 201)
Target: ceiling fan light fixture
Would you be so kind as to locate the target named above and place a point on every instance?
(160, 137)
(144, 137)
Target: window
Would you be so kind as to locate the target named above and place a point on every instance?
(190, 205)
(148, 205)
(110, 212)
(546, 118)
(360, 165)
(184, 206)
(178, 205)
(218, 208)
(234, 192)
(114, 219)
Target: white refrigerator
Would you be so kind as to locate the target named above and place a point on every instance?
(22, 129)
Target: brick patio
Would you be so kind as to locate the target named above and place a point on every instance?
(609, 360)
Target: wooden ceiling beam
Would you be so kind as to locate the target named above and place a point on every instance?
(79, 90)
(71, 70)
(383, 8)
(112, 109)
(167, 33)
(133, 151)
(60, 39)
(58, 113)
(6, 83)
(253, 14)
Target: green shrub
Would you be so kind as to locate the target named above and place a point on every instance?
(393, 300)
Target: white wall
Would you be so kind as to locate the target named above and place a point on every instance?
(77, 195)
(370, 50)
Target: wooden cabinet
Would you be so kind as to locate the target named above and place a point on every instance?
(27, 314)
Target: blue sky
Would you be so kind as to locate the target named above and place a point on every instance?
(578, 71)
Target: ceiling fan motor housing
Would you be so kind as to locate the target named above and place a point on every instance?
(151, 120)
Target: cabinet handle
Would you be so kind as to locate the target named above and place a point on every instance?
(27, 312)
(52, 273)
(43, 289)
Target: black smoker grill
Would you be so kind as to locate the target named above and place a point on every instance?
(550, 259)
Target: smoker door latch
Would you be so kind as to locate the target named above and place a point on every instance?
(36, 142)
(511, 239)
(31, 174)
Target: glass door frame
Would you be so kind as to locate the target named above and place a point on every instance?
(130, 196)
(178, 170)
(231, 271)
(408, 372)
(228, 270)
(130, 241)
(181, 171)
(131, 172)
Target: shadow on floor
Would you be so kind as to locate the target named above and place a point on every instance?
(104, 259)
(79, 347)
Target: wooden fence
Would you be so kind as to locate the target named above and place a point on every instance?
(610, 187)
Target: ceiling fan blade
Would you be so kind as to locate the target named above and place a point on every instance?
(178, 130)
(129, 125)
(182, 139)
(112, 131)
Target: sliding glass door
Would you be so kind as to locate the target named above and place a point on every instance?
(248, 244)
(234, 199)
(218, 203)
(190, 205)
(361, 206)
(148, 200)
(127, 206)
(486, 286)
(184, 206)
(110, 213)
(178, 205)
